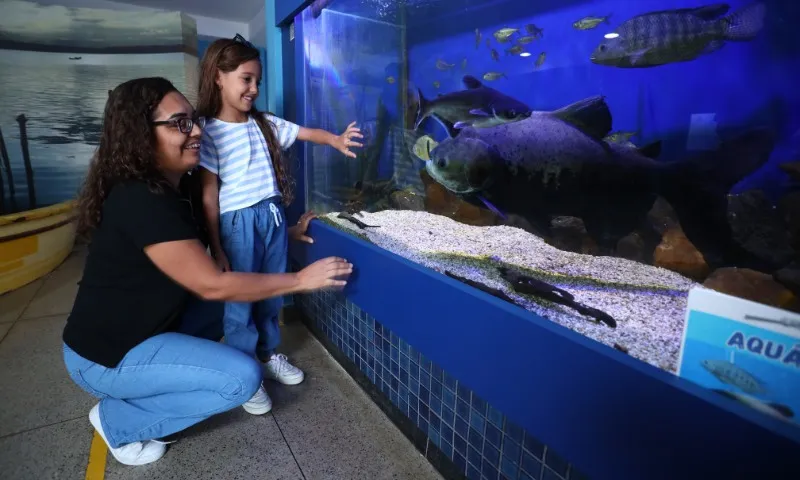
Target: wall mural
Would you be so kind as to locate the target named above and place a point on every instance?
(57, 64)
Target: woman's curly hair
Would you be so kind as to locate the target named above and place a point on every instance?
(225, 56)
(127, 147)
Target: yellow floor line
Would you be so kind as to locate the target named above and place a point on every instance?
(96, 469)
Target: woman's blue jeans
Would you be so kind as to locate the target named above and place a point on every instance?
(169, 382)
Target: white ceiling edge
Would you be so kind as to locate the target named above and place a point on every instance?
(244, 11)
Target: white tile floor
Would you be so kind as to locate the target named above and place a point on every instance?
(325, 428)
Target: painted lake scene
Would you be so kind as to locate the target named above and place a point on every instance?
(57, 64)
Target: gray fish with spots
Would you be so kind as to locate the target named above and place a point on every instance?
(680, 35)
(556, 163)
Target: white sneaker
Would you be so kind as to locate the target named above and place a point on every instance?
(136, 453)
(260, 404)
(279, 369)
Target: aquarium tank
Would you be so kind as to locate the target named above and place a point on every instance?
(589, 161)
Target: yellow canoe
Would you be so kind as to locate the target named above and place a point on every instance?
(34, 242)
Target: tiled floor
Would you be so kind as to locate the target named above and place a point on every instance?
(325, 428)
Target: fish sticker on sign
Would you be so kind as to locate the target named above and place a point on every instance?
(588, 23)
(680, 35)
(478, 106)
(730, 374)
(556, 163)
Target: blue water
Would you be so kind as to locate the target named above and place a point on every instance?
(706, 339)
(63, 101)
(742, 85)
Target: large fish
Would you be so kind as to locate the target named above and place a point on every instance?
(556, 163)
(478, 106)
(681, 35)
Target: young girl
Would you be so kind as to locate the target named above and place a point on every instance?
(244, 187)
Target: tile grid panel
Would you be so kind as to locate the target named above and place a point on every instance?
(476, 437)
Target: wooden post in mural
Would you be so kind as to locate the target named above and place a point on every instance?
(12, 199)
(26, 158)
(2, 195)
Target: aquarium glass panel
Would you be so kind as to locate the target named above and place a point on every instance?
(593, 160)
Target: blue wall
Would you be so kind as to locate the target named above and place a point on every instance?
(744, 83)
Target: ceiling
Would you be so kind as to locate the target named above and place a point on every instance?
(244, 11)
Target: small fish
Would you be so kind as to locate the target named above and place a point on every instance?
(478, 38)
(540, 59)
(534, 30)
(442, 65)
(619, 137)
(515, 50)
(495, 55)
(464, 64)
(503, 34)
(436, 84)
(390, 80)
(492, 76)
(423, 146)
(588, 23)
(681, 35)
(526, 39)
(731, 374)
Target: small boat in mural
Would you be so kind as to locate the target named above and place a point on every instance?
(34, 242)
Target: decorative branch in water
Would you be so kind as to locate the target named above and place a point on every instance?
(355, 221)
(9, 175)
(530, 286)
(26, 158)
(484, 288)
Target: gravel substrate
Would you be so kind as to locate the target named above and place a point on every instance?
(647, 302)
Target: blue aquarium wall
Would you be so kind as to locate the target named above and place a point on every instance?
(56, 71)
(464, 429)
(419, 342)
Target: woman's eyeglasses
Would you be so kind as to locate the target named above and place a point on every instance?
(184, 124)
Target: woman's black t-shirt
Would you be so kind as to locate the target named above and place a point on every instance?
(123, 298)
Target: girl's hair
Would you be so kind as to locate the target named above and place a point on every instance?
(225, 56)
(127, 147)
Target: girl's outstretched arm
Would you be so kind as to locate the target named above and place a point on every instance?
(341, 142)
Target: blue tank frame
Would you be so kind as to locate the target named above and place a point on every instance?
(611, 415)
